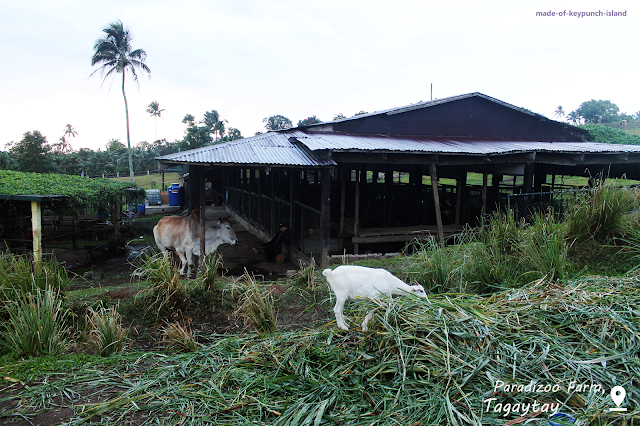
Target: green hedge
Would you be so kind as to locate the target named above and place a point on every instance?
(81, 192)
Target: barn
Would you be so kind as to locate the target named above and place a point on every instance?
(376, 181)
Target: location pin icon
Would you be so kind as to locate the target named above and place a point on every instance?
(618, 394)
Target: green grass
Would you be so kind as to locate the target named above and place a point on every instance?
(147, 181)
(426, 361)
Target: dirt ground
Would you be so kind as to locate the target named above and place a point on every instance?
(114, 275)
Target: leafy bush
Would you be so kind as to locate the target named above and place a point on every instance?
(36, 324)
(604, 134)
(105, 333)
(81, 192)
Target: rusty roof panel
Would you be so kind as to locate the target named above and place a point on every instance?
(270, 148)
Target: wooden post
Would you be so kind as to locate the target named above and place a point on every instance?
(436, 200)
(343, 198)
(203, 212)
(528, 179)
(356, 220)
(325, 216)
(274, 226)
(461, 184)
(485, 177)
(36, 231)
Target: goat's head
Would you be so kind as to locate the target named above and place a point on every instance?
(418, 290)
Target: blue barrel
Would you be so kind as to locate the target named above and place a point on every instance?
(141, 209)
(176, 195)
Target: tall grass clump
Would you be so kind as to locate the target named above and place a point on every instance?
(436, 268)
(207, 275)
(18, 273)
(543, 249)
(166, 294)
(306, 275)
(179, 338)
(37, 323)
(257, 305)
(105, 333)
(602, 213)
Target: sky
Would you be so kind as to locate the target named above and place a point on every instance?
(251, 59)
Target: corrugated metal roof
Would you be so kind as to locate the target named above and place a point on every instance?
(342, 142)
(298, 148)
(270, 148)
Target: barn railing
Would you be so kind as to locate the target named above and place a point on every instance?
(524, 205)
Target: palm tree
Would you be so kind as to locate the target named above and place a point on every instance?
(559, 112)
(115, 54)
(155, 111)
(63, 144)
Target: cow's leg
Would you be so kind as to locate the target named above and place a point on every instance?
(189, 256)
(183, 261)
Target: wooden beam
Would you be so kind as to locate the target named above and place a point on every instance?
(36, 231)
(436, 200)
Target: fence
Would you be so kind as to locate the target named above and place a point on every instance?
(59, 233)
(524, 205)
(273, 212)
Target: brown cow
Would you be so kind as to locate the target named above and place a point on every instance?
(182, 235)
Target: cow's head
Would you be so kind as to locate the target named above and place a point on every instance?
(220, 233)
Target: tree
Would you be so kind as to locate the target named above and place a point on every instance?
(63, 146)
(574, 118)
(154, 109)
(598, 111)
(232, 135)
(196, 136)
(559, 112)
(31, 153)
(212, 121)
(360, 112)
(277, 122)
(309, 120)
(115, 55)
(339, 116)
(636, 116)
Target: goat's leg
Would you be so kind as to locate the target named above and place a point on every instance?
(365, 323)
(338, 310)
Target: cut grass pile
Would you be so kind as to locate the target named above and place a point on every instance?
(439, 360)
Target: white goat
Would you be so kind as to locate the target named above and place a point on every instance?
(350, 282)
